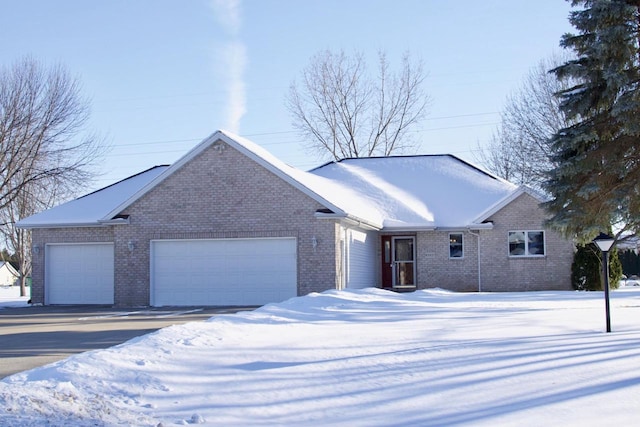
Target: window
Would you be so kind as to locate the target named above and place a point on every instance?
(526, 243)
(455, 245)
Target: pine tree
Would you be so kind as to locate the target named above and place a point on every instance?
(586, 270)
(597, 183)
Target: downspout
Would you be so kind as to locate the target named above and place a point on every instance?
(479, 270)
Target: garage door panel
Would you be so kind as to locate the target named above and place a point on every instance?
(79, 274)
(223, 271)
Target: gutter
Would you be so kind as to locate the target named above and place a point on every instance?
(408, 228)
(99, 223)
(59, 225)
(350, 219)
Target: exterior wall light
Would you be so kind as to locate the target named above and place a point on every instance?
(131, 246)
(314, 243)
(36, 249)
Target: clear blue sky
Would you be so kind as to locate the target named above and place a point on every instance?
(164, 74)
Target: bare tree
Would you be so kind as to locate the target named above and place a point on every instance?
(344, 112)
(519, 150)
(45, 154)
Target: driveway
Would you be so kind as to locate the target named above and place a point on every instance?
(35, 336)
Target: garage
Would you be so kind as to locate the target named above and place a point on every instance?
(219, 272)
(79, 273)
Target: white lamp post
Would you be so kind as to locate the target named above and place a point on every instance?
(604, 242)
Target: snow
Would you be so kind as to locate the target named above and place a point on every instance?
(404, 192)
(342, 197)
(421, 191)
(10, 297)
(94, 207)
(358, 358)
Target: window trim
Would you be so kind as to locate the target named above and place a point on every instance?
(526, 253)
(461, 245)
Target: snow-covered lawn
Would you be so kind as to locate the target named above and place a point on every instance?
(359, 358)
(10, 297)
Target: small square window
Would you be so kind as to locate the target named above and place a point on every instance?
(456, 249)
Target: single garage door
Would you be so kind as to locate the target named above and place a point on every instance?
(79, 274)
(223, 271)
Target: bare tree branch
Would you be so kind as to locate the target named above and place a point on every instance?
(519, 150)
(344, 113)
(45, 154)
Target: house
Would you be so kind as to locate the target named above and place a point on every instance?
(230, 224)
(8, 274)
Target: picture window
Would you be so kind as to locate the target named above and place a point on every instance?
(526, 243)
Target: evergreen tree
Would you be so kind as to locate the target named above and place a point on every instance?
(630, 262)
(596, 184)
(586, 270)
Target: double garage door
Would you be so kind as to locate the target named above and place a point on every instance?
(223, 271)
(183, 272)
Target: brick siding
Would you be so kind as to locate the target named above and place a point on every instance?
(498, 271)
(221, 193)
(218, 194)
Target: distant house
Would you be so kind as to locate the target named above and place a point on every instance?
(230, 224)
(8, 274)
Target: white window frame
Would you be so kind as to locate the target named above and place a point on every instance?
(526, 253)
(461, 246)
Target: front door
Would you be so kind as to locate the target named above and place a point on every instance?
(398, 261)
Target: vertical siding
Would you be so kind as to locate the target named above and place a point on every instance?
(361, 255)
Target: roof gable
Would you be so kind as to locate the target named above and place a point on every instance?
(7, 266)
(493, 209)
(333, 195)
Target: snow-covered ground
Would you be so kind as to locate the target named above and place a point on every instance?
(10, 297)
(358, 358)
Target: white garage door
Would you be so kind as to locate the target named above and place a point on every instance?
(223, 271)
(79, 274)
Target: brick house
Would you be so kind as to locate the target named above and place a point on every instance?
(230, 224)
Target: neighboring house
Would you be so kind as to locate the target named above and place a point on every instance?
(230, 224)
(8, 274)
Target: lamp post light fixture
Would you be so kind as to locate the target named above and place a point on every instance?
(604, 242)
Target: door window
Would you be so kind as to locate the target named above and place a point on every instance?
(404, 261)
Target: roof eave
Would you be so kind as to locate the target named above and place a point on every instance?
(351, 219)
(62, 225)
(410, 228)
(82, 224)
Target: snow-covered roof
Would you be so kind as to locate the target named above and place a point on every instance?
(9, 268)
(403, 192)
(430, 191)
(92, 209)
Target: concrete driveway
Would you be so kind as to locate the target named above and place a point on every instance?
(35, 336)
